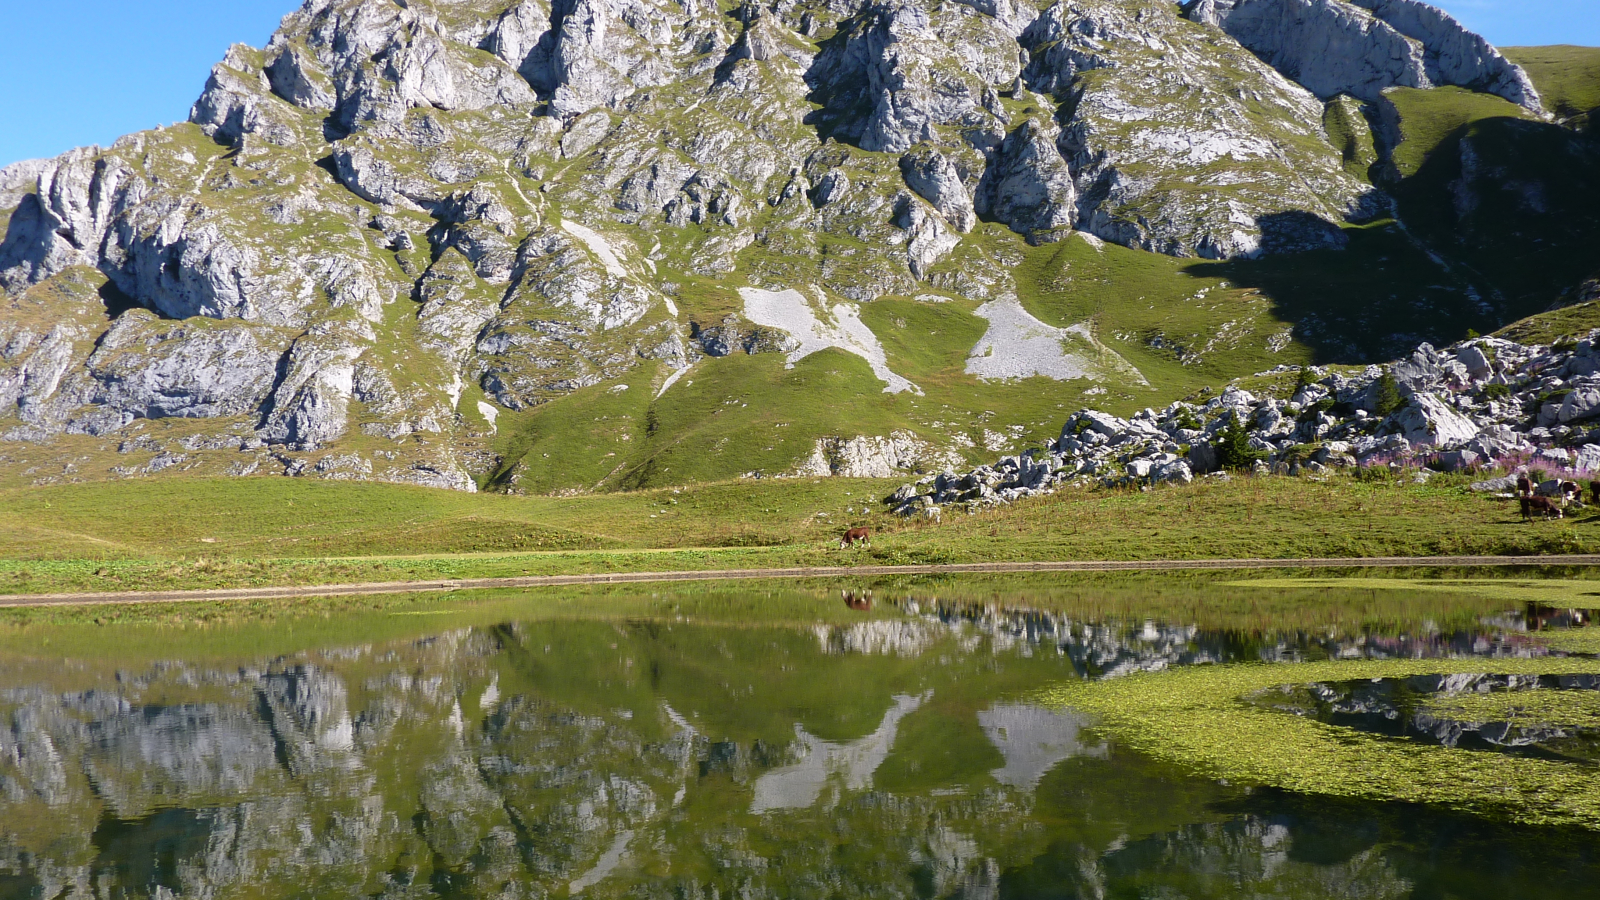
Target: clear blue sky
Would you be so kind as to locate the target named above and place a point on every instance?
(76, 72)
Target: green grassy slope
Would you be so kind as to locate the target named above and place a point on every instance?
(1515, 206)
(194, 533)
(1568, 77)
(1428, 119)
(1181, 327)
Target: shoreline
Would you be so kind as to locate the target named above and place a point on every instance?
(128, 598)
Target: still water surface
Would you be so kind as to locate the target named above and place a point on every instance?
(720, 743)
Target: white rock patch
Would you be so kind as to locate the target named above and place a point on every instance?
(599, 246)
(671, 380)
(490, 414)
(792, 312)
(1017, 346)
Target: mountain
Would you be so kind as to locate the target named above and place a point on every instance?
(604, 244)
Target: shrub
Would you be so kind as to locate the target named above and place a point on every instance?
(1376, 474)
(1388, 401)
(1496, 391)
(1233, 445)
(1306, 378)
(1310, 413)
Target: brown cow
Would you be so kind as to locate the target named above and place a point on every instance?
(1572, 494)
(1545, 506)
(1524, 486)
(856, 536)
(1594, 492)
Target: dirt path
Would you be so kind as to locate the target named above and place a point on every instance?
(411, 587)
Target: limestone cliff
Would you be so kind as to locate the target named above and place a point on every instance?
(399, 220)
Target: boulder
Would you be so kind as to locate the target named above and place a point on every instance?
(1587, 459)
(1172, 471)
(1475, 361)
(1554, 456)
(1458, 460)
(1432, 422)
(1500, 485)
(1100, 423)
(1581, 405)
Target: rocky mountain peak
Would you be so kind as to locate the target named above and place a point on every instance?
(397, 208)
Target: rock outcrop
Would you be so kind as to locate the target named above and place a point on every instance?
(1362, 47)
(1464, 407)
(1155, 101)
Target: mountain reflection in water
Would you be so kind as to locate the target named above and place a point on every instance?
(888, 749)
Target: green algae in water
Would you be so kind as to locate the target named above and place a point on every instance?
(1578, 709)
(1556, 718)
(1584, 641)
(1202, 719)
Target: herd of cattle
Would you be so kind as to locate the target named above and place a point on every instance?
(1552, 501)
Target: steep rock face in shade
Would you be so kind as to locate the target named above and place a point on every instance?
(396, 215)
(1361, 47)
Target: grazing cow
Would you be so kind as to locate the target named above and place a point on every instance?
(1524, 486)
(1594, 492)
(855, 536)
(1572, 494)
(1544, 506)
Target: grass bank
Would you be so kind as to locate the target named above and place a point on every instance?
(208, 533)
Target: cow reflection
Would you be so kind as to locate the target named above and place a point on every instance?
(1542, 618)
(861, 601)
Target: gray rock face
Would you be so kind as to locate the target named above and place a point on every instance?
(917, 69)
(1154, 95)
(1029, 186)
(310, 406)
(1454, 54)
(1328, 46)
(935, 179)
(155, 369)
(929, 238)
(1361, 47)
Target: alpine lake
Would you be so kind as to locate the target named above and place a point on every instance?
(1430, 735)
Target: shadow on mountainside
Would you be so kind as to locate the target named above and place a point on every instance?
(1501, 222)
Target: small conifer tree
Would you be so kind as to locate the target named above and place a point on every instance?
(1233, 445)
(1388, 400)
